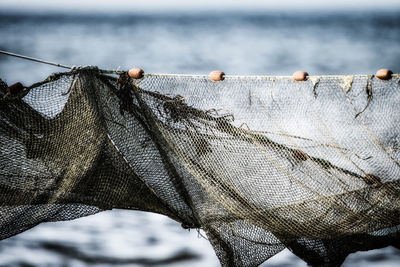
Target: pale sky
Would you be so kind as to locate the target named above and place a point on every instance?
(186, 5)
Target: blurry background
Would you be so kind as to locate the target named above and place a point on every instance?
(239, 37)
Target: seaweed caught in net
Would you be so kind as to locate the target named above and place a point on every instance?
(258, 163)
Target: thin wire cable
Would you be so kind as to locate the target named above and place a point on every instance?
(52, 63)
(35, 59)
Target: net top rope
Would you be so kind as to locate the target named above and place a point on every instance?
(137, 73)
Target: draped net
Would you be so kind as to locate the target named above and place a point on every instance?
(258, 163)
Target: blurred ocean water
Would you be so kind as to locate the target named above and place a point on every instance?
(250, 43)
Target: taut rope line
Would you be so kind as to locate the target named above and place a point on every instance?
(35, 59)
(52, 63)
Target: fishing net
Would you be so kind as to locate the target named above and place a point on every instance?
(258, 163)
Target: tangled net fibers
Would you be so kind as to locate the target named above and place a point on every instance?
(258, 163)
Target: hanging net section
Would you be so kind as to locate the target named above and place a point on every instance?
(258, 163)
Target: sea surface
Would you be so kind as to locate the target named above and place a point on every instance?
(238, 43)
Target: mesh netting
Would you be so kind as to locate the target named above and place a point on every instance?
(258, 163)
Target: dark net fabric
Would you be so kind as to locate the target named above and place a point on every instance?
(258, 163)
